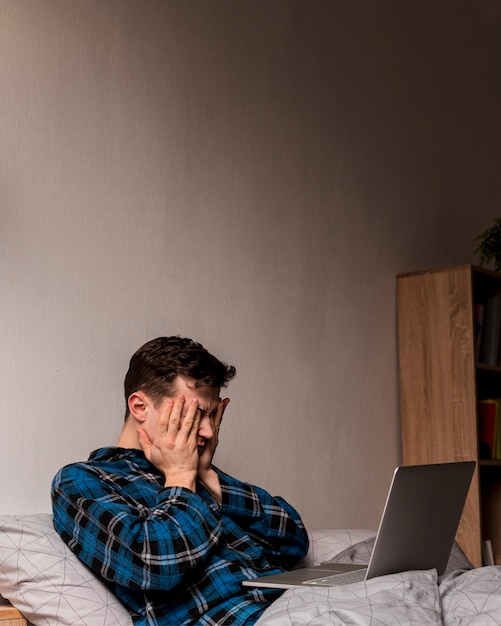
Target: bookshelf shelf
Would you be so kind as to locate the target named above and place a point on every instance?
(489, 368)
(441, 383)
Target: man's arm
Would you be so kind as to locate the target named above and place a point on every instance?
(132, 545)
(274, 523)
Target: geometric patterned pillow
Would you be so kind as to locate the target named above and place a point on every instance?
(361, 552)
(324, 544)
(42, 578)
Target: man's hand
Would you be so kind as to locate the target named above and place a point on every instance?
(205, 459)
(206, 474)
(173, 449)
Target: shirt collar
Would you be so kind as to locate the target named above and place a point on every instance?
(133, 455)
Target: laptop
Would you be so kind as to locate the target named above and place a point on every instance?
(416, 532)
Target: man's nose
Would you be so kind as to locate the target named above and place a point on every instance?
(205, 428)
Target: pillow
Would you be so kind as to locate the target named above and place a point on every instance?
(324, 544)
(406, 598)
(42, 578)
(360, 553)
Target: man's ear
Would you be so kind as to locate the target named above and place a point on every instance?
(138, 405)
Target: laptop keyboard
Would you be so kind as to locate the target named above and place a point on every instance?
(346, 578)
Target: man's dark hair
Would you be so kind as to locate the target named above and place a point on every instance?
(153, 368)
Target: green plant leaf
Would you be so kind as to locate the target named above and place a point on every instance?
(489, 246)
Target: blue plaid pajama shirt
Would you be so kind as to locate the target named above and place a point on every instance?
(172, 556)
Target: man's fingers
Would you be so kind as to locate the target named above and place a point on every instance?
(164, 419)
(220, 411)
(175, 415)
(192, 417)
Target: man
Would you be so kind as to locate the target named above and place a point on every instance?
(171, 534)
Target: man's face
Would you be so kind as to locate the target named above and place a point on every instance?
(208, 400)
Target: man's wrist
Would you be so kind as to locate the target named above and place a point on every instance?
(188, 480)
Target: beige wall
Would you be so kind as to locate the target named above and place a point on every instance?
(252, 174)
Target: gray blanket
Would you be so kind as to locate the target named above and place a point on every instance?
(462, 596)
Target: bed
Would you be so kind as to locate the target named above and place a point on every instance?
(461, 596)
(42, 579)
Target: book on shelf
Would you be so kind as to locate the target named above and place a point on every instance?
(487, 423)
(490, 334)
(489, 431)
(487, 552)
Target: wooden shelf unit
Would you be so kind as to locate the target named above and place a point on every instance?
(440, 385)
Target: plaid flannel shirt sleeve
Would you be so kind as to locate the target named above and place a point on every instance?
(136, 547)
(271, 521)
